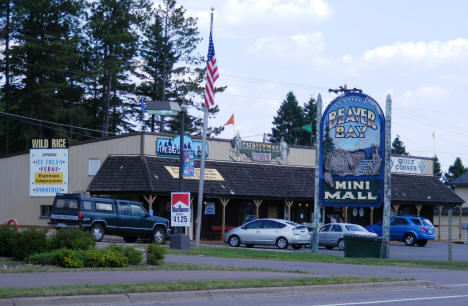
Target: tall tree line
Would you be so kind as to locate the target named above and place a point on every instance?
(78, 63)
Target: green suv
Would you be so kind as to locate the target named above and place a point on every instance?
(101, 216)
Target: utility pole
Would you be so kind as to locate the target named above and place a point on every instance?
(387, 181)
(315, 233)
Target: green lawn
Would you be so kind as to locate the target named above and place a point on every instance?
(309, 257)
(180, 286)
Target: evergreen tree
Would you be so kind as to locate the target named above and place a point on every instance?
(455, 170)
(288, 122)
(398, 147)
(113, 28)
(437, 168)
(310, 117)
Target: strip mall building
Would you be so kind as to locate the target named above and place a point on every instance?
(243, 180)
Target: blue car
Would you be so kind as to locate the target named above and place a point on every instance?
(410, 230)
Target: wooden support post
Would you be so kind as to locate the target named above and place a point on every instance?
(460, 222)
(345, 214)
(150, 200)
(440, 212)
(395, 207)
(224, 202)
(289, 204)
(418, 208)
(372, 215)
(257, 205)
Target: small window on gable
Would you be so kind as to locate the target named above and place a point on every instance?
(93, 166)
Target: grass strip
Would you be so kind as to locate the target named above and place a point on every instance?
(167, 266)
(323, 258)
(181, 286)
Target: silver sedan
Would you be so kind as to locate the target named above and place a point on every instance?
(269, 232)
(332, 235)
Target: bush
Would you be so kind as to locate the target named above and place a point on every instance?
(155, 254)
(104, 258)
(46, 258)
(7, 241)
(73, 239)
(29, 242)
(68, 258)
(133, 256)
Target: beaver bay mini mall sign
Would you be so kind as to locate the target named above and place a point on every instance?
(352, 138)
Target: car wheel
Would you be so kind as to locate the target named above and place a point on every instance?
(329, 247)
(234, 241)
(159, 235)
(98, 232)
(341, 244)
(249, 245)
(409, 239)
(130, 239)
(421, 243)
(297, 246)
(282, 243)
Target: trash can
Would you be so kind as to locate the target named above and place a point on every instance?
(362, 246)
(465, 233)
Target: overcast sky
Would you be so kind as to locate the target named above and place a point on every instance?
(417, 51)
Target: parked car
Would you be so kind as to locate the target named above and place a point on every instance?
(410, 230)
(332, 235)
(102, 216)
(281, 233)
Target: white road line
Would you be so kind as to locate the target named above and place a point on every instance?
(399, 300)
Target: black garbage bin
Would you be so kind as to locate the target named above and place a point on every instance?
(362, 246)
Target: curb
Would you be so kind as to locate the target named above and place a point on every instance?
(151, 297)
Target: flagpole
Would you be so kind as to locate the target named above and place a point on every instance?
(202, 162)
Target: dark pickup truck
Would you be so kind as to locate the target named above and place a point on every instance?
(107, 216)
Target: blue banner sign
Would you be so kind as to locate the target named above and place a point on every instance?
(189, 163)
(170, 147)
(352, 138)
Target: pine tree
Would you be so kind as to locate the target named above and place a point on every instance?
(455, 170)
(437, 168)
(398, 147)
(288, 122)
(310, 117)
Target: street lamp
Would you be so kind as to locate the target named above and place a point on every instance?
(167, 108)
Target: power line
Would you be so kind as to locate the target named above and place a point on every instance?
(53, 123)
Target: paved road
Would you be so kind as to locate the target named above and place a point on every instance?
(326, 269)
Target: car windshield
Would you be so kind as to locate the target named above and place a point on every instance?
(355, 228)
(292, 223)
(427, 221)
(300, 228)
(416, 221)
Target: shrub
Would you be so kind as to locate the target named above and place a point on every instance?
(45, 258)
(29, 242)
(68, 258)
(104, 258)
(133, 256)
(7, 241)
(155, 254)
(73, 239)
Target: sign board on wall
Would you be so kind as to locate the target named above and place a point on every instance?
(180, 208)
(210, 208)
(258, 151)
(48, 167)
(408, 165)
(352, 134)
(170, 147)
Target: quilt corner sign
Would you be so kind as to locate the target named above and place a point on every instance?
(180, 209)
(352, 138)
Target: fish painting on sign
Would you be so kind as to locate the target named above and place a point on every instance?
(352, 151)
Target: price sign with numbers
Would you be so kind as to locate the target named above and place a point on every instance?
(180, 209)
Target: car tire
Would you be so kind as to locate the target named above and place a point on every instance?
(98, 231)
(409, 239)
(282, 243)
(421, 243)
(249, 245)
(234, 241)
(130, 239)
(341, 244)
(159, 235)
(297, 246)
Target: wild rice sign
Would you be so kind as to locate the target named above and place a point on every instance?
(352, 134)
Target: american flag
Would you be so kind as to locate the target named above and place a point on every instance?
(211, 75)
